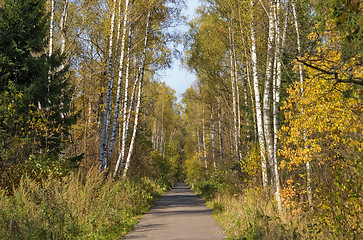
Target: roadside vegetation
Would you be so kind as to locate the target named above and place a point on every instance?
(250, 213)
(78, 206)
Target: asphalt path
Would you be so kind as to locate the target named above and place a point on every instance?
(179, 214)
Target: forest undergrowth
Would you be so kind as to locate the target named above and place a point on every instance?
(79, 206)
(250, 213)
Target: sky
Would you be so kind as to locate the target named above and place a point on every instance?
(177, 77)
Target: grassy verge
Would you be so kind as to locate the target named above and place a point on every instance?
(252, 214)
(76, 207)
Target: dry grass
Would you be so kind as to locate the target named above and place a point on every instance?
(252, 214)
(79, 206)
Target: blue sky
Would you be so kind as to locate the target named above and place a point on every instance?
(177, 77)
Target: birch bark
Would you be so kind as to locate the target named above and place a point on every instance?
(108, 106)
(267, 90)
(233, 81)
(63, 27)
(162, 128)
(204, 145)
(63, 31)
(127, 165)
(123, 129)
(220, 133)
(279, 42)
(199, 146)
(259, 119)
(119, 79)
(51, 28)
(212, 138)
(238, 109)
(301, 77)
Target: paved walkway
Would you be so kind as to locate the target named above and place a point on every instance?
(178, 215)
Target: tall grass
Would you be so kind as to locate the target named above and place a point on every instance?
(252, 214)
(76, 207)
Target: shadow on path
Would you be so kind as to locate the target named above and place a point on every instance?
(178, 215)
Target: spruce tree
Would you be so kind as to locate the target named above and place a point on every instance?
(35, 94)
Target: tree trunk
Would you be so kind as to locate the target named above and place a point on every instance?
(279, 46)
(63, 28)
(63, 31)
(199, 146)
(259, 119)
(153, 137)
(132, 98)
(267, 91)
(119, 80)
(51, 28)
(234, 104)
(162, 129)
(220, 133)
(301, 76)
(212, 137)
(237, 99)
(108, 106)
(204, 145)
(139, 95)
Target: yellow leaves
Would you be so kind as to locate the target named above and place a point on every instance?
(252, 164)
(323, 118)
(288, 193)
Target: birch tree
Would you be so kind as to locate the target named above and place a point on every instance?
(279, 47)
(301, 79)
(267, 88)
(212, 132)
(259, 117)
(127, 164)
(108, 104)
(119, 79)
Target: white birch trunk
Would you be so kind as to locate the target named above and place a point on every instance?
(119, 25)
(199, 146)
(153, 137)
(220, 133)
(127, 116)
(267, 91)
(253, 103)
(119, 79)
(63, 31)
(237, 96)
(51, 28)
(108, 106)
(276, 95)
(63, 28)
(123, 129)
(245, 99)
(234, 104)
(132, 98)
(204, 145)
(127, 165)
(162, 128)
(301, 76)
(238, 109)
(247, 85)
(212, 138)
(259, 119)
